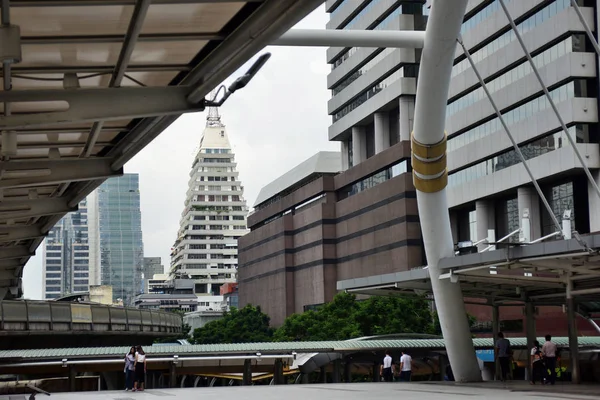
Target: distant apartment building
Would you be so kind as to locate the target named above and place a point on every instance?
(67, 264)
(152, 266)
(214, 216)
(168, 295)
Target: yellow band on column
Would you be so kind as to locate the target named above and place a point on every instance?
(431, 185)
(429, 168)
(428, 151)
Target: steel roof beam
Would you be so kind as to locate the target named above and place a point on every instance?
(13, 233)
(9, 270)
(133, 31)
(78, 3)
(15, 252)
(22, 173)
(97, 69)
(20, 209)
(90, 105)
(145, 37)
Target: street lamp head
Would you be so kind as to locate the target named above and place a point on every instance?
(243, 80)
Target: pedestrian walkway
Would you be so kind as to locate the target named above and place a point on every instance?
(358, 391)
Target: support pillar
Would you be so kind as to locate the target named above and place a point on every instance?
(495, 331)
(530, 331)
(72, 379)
(406, 117)
(347, 371)
(278, 372)
(172, 375)
(337, 371)
(345, 148)
(442, 363)
(573, 341)
(376, 377)
(429, 177)
(382, 132)
(247, 380)
(359, 145)
(323, 375)
(485, 220)
(528, 199)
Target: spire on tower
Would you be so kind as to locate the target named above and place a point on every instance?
(213, 120)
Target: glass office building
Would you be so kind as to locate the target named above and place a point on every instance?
(121, 250)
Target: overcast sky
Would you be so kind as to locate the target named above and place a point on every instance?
(276, 122)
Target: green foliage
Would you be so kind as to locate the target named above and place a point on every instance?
(346, 318)
(246, 325)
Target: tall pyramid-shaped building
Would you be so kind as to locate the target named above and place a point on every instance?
(214, 215)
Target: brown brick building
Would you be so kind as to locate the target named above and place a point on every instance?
(317, 227)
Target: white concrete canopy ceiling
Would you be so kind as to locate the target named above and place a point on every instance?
(90, 83)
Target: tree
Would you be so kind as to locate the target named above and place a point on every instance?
(387, 315)
(346, 318)
(246, 325)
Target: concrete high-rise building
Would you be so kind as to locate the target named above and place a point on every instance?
(119, 228)
(214, 215)
(363, 223)
(152, 266)
(66, 260)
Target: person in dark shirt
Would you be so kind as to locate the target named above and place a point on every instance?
(503, 354)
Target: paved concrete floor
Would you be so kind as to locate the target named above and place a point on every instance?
(359, 391)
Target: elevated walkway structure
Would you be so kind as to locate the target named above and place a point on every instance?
(39, 324)
(539, 274)
(88, 84)
(185, 365)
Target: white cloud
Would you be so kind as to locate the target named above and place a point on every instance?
(279, 120)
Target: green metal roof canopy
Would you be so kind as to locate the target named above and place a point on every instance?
(269, 348)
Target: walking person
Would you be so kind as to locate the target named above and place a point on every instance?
(549, 350)
(537, 364)
(386, 367)
(405, 367)
(503, 354)
(140, 369)
(129, 369)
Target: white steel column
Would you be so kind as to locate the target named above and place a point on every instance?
(345, 156)
(431, 177)
(485, 217)
(382, 132)
(359, 145)
(528, 199)
(406, 117)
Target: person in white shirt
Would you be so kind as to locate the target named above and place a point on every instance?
(386, 368)
(549, 351)
(537, 364)
(405, 367)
